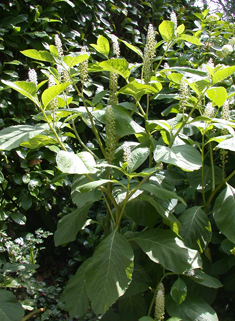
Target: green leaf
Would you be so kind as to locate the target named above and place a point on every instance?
(223, 74)
(179, 291)
(72, 61)
(138, 156)
(74, 294)
(50, 93)
(228, 144)
(109, 272)
(39, 141)
(25, 88)
(12, 137)
(137, 90)
(133, 48)
(124, 124)
(67, 1)
(41, 55)
(205, 279)
(146, 319)
(191, 39)
(184, 156)
(10, 308)
(70, 224)
(26, 201)
(163, 247)
(224, 212)
(180, 29)
(195, 228)
(78, 198)
(132, 307)
(19, 218)
(1, 178)
(88, 187)
(192, 309)
(70, 163)
(116, 65)
(167, 30)
(217, 94)
(102, 46)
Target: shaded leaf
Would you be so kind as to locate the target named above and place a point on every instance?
(179, 291)
(10, 308)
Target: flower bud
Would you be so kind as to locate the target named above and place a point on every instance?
(111, 141)
(209, 111)
(160, 303)
(113, 85)
(174, 20)
(58, 45)
(127, 153)
(225, 110)
(116, 48)
(33, 76)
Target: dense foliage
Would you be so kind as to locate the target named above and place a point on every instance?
(135, 120)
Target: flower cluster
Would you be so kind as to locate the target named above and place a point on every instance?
(127, 153)
(113, 85)
(111, 141)
(58, 45)
(209, 111)
(160, 303)
(84, 67)
(33, 76)
(116, 48)
(183, 93)
(149, 54)
(225, 110)
(54, 102)
(174, 20)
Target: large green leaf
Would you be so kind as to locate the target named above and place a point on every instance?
(72, 61)
(195, 228)
(109, 272)
(102, 46)
(25, 88)
(192, 39)
(228, 144)
(70, 163)
(224, 212)
(50, 93)
(179, 291)
(10, 308)
(223, 74)
(12, 137)
(205, 279)
(192, 309)
(41, 55)
(78, 198)
(138, 156)
(39, 141)
(184, 156)
(137, 90)
(133, 48)
(116, 65)
(74, 294)
(132, 307)
(70, 224)
(218, 95)
(124, 124)
(163, 247)
(167, 30)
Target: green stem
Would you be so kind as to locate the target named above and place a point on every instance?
(203, 187)
(212, 168)
(124, 204)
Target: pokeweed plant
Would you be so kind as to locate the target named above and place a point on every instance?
(163, 181)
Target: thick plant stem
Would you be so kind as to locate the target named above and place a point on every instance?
(31, 314)
(212, 168)
(203, 183)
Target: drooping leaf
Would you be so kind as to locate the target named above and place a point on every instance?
(11, 137)
(26, 201)
(74, 294)
(41, 55)
(195, 228)
(109, 272)
(25, 88)
(10, 308)
(67, 1)
(137, 90)
(192, 309)
(102, 46)
(72, 61)
(224, 212)
(70, 163)
(228, 144)
(50, 93)
(133, 48)
(165, 248)
(205, 279)
(138, 156)
(218, 95)
(179, 291)
(192, 39)
(39, 141)
(116, 65)
(70, 224)
(167, 29)
(184, 156)
(19, 218)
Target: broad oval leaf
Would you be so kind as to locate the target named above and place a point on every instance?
(50, 93)
(70, 163)
(179, 291)
(137, 90)
(223, 74)
(73, 61)
(195, 228)
(184, 156)
(191, 39)
(167, 30)
(224, 212)
(192, 309)
(165, 248)
(10, 308)
(109, 272)
(74, 294)
(12, 137)
(217, 94)
(102, 46)
(41, 55)
(70, 224)
(116, 65)
(133, 48)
